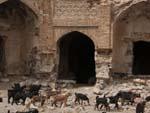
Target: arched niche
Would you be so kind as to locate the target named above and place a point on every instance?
(76, 57)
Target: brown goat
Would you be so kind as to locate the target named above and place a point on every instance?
(40, 99)
(60, 98)
(50, 93)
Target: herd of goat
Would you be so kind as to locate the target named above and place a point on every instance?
(18, 92)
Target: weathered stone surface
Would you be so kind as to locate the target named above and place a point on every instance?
(139, 81)
(127, 29)
(4, 79)
(106, 23)
(103, 72)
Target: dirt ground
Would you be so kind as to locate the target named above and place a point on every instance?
(71, 108)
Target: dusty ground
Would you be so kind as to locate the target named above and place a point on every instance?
(71, 108)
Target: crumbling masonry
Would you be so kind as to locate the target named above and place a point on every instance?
(37, 36)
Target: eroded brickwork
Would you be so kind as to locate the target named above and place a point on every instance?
(46, 21)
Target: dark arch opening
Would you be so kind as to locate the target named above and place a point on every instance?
(2, 55)
(76, 58)
(19, 23)
(141, 59)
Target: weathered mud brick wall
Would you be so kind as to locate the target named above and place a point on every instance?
(131, 32)
(44, 25)
(45, 36)
(104, 39)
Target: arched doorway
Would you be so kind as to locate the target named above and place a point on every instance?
(141, 62)
(76, 58)
(131, 39)
(18, 23)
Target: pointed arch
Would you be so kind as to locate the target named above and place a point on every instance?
(130, 26)
(76, 57)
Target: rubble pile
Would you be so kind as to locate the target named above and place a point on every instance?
(137, 85)
(103, 72)
(103, 86)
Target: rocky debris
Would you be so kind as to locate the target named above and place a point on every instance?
(37, 82)
(140, 81)
(117, 86)
(66, 83)
(4, 80)
(52, 77)
(103, 72)
(96, 90)
(3, 93)
(148, 82)
(110, 90)
(102, 78)
(101, 88)
(100, 85)
(77, 109)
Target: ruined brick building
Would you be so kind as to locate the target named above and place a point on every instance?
(66, 34)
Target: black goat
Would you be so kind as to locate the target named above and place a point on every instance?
(22, 93)
(81, 97)
(103, 102)
(127, 96)
(114, 100)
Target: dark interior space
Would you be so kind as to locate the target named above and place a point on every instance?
(141, 59)
(76, 58)
(2, 55)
